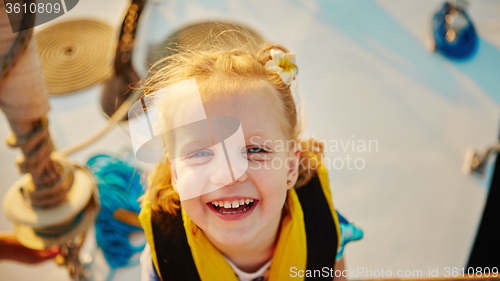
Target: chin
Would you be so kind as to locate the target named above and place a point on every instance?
(233, 237)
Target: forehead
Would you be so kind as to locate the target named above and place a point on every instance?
(258, 111)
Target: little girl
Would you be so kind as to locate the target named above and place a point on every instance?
(239, 196)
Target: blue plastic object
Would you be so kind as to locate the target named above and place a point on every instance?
(464, 42)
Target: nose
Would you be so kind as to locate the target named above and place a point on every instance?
(223, 175)
(242, 178)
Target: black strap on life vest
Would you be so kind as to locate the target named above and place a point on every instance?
(176, 262)
(321, 232)
(173, 253)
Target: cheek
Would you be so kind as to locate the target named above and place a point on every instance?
(194, 208)
(271, 184)
(268, 177)
(271, 173)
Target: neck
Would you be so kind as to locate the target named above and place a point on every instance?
(251, 256)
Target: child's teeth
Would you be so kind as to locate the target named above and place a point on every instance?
(235, 204)
(232, 205)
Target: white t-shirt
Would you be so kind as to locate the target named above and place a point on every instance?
(147, 268)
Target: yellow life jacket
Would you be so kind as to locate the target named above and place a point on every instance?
(309, 238)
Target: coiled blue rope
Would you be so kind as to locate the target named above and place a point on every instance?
(119, 187)
(464, 44)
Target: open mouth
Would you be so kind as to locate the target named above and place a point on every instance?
(232, 207)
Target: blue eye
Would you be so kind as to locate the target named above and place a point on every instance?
(256, 149)
(200, 154)
(257, 153)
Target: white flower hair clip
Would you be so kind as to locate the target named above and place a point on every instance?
(284, 64)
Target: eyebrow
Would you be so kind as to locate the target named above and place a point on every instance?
(195, 141)
(189, 145)
(264, 135)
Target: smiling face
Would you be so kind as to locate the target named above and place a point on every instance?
(248, 208)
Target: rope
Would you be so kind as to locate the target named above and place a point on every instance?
(51, 179)
(119, 188)
(74, 55)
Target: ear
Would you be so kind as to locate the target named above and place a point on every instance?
(293, 169)
(173, 175)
